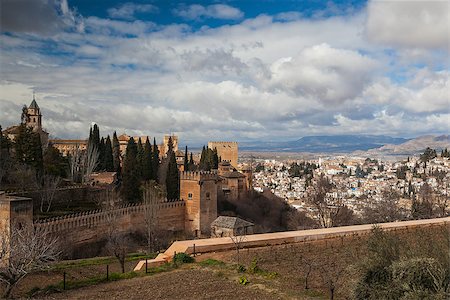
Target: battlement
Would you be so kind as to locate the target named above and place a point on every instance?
(98, 217)
(198, 175)
(217, 143)
(227, 151)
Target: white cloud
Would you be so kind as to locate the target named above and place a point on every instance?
(215, 11)
(409, 23)
(322, 72)
(128, 10)
(260, 79)
(114, 27)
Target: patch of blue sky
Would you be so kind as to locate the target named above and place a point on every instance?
(165, 13)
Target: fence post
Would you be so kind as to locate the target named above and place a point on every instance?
(107, 272)
(194, 250)
(174, 258)
(64, 280)
(146, 266)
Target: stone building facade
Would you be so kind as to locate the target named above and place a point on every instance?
(14, 211)
(227, 151)
(199, 191)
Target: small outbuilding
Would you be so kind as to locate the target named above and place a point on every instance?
(230, 226)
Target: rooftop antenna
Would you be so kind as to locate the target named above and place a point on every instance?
(33, 95)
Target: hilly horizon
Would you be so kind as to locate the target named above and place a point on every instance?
(351, 143)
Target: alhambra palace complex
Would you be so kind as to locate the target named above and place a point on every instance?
(192, 213)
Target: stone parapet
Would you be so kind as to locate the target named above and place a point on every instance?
(198, 175)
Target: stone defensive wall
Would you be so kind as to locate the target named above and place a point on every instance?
(92, 226)
(280, 238)
(222, 143)
(198, 175)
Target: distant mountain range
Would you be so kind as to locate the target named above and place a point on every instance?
(414, 146)
(376, 144)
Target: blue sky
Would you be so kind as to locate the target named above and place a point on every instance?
(228, 70)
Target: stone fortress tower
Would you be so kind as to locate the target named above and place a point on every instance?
(199, 191)
(227, 151)
(14, 211)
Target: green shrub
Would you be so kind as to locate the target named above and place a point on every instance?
(211, 262)
(183, 258)
(254, 268)
(243, 280)
(241, 269)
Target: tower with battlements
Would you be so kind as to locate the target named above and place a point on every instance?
(199, 191)
(227, 151)
(14, 211)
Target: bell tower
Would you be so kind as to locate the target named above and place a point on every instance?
(34, 117)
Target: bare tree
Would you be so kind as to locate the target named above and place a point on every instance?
(331, 269)
(238, 241)
(48, 190)
(327, 209)
(91, 160)
(386, 209)
(75, 164)
(118, 243)
(152, 197)
(442, 198)
(25, 249)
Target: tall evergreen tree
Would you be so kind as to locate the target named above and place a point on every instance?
(130, 189)
(155, 161)
(28, 148)
(147, 163)
(140, 159)
(186, 161)
(173, 176)
(96, 136)
(108, 155)
(101, 155)
(191, 163)
(215, 159)
(116, 154)
(203, 160)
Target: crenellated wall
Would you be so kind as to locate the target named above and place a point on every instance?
(92, 226)
(228, 151)
(199, 190)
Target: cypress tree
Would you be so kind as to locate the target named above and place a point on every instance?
(191, 163)
(108, 155)
(155, 161)
(186, 161)
(203, 160)
(96, 136)
(28, 148)
(173, 176)
(130, 178)
(116, 154)
(140, 159)
(101, 155)
(215, 159)
(147, 164)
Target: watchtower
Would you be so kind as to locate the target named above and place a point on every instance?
(15, 211)
(199, 191)
(227, 151)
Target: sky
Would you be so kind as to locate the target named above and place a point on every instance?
(269, 70)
